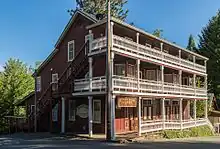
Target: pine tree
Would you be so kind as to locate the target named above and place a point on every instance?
(96, 7)
(191, 44)
(209, 46)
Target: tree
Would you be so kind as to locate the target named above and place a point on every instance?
(191, 44)
(158, 33)
(209, 46)
(96, 7)
(16, 82)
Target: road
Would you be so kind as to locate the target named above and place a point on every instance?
(33, 141)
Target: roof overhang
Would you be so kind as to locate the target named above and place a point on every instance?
(144, 33)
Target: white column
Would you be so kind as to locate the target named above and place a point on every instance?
(194, 83)
(138, 74)
(194, 110)
(162, 76)
(90, 40)
(206, 108)
(90, 74)
(90, 116)
(113, 118)
(181, 113)
(180, 80)
(163, 112)
(194, 60)
(63, 115)
(205, 64)
(161, 50)
(139, 116)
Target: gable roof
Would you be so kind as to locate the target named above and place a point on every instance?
(120, 22)
(71, 21)
(27, 97)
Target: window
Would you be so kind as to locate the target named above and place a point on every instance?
(72, 110)
(55, 113)
(32, 108)
(38, 84)
(120, 69)
(131, 70)
(147, 109)
(71, 50)
(97, 111)
(54, 81)
(86, 39)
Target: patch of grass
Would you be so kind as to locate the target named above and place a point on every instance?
(200, 131)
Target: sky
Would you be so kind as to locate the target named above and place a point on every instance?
(29, 29)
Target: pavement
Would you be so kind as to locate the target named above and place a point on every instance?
(49, 141)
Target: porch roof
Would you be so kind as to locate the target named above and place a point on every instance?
(22, 101)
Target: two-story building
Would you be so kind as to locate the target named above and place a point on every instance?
(155, 83)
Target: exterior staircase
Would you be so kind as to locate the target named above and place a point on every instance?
(63, 87)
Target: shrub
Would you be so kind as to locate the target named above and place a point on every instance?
(192, 132)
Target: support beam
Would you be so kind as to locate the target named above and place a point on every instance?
(206, 108)
(194, 60)
(139, 116)
(162, 76)
(90, 116)
(194, 110)
(63, 115)
(181, 113)
(194, 84)
(180, 80)
(90, 41)
(90, 74)
(163, 112)
(113, 118)
(138, 74)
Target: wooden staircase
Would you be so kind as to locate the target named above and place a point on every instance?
(63, 87)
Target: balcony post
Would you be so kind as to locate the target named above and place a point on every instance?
(205, 64)
(194, 84)
(161, 49)
(90, 40)
(194, 110)
(113, 118)
(139, 116)
(206, 109)
(90, 116)
(90, 74)
(180, 80)
(112, 69)
(63, 115)
(180, 55)
(194, 60)
(162, 77)
(181, 113)
(138, 74)
(163, 112)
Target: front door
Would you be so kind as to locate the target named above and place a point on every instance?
(131, 122)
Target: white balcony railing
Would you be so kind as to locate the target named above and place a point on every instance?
(123, 45)
(171, 124)
(128, 84)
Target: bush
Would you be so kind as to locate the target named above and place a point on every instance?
(200, 131)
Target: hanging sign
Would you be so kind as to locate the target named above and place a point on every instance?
(127, 102)
(82, 111)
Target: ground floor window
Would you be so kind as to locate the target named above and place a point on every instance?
(72, 110)
(147, 109)
(97, 111)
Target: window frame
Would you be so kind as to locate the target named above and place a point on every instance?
(38, 83)
(147, 109)
(54, 82)
(100, 111)
(72, 117)
(69, 43)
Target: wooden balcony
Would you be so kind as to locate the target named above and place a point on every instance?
(128, 85)
(150, 126)
(146, 53)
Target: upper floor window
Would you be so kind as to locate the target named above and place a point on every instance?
(120, 69)
(71, 50)
(55, 81)
(38, 84)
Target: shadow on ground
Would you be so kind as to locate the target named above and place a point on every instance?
(39, 141)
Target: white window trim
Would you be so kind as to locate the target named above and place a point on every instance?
(71, 42)
(38, 84)
(54, 83)
(32, 108)
(69, 116)
(53, 75)
(93, 112)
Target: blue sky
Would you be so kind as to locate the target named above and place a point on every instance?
(30, 28)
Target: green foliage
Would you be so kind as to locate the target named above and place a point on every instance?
(191, 44)
(99, 7)
(16, 82)
(158, 33)
(209, 46)
(200, 131)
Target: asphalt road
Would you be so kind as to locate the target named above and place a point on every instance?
(39, 141)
